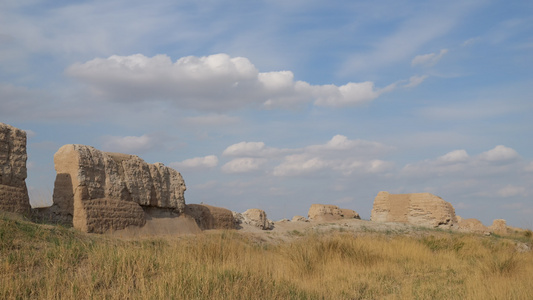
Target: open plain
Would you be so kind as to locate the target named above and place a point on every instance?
(343, 259)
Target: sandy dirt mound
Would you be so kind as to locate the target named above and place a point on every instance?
(160, 223)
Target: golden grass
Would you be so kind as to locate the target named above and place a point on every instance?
(52, 262)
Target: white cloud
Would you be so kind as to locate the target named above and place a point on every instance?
(342, 143)
(205, 162)
(529, 167)
(379, 166)
(299, 164)
(428, 60)
(347, 95)
(415, 81)
(303, 164)
(243, 165)
(253, 149)
(349, 165)
(277, 82)
(454, 156)
(339, 154)
(498, 160)
(128, 144)
(244, 149)
(216, 82)
(499, 153)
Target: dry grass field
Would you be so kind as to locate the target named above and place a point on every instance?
(54, 262)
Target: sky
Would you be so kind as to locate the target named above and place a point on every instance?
(281, 104)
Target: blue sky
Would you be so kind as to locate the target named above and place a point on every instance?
(279, 105)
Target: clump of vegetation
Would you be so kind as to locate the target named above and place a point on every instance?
(295, 233)
(53, 262)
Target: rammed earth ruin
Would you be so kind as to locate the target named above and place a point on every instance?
(422, 209)
(98, 191)
(13, 172)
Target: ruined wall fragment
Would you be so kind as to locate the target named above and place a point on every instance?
(13, 172)
(98, 191)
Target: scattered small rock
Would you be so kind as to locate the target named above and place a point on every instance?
(255, 217)
(299, 219)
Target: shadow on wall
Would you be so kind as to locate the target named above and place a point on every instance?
(63, 209)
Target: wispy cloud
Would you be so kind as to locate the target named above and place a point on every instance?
(428, 60)
(402, 44)
(493, 161)
(254, 149)
(339, 154)
(412, 29)
(499, 153)
(196, 163)
(243, 165)
(416, 81)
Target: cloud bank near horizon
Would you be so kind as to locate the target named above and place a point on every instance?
(342, 164)
(345, 157)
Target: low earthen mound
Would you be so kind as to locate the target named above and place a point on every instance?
(160, 222)
(325, 212)
(499, 226)
(210, 217)
(423, 209)
(473, 226)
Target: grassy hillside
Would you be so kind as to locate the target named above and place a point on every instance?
(52, 262)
